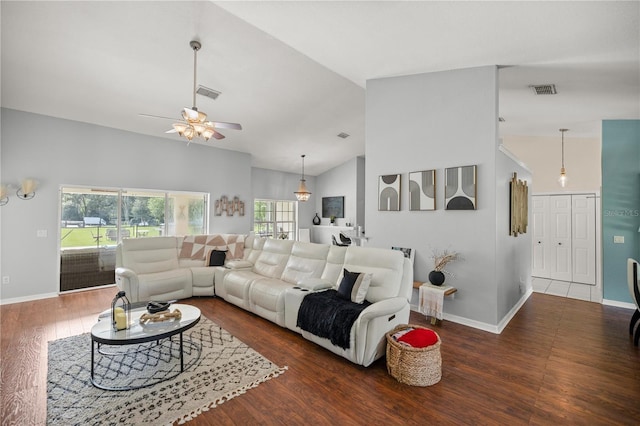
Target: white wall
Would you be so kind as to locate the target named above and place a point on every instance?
(441, 120)
(542, 155)
(337, 182)
(275, 185)
(61, 152)
(513, 254)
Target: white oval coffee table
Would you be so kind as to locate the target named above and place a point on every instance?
(102, 333)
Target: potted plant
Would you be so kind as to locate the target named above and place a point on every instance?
(333, 219)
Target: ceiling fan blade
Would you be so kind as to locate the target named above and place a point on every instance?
(171, 131)
(223, 125)
(157, 116)
(218, 135)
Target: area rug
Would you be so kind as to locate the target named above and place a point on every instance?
(218, 367)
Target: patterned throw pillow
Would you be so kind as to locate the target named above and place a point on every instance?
(354, 286)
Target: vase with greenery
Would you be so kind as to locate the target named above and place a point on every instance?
(333, 219)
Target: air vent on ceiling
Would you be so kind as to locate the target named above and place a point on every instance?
(544, 89)
(343, 135)
(209, 93)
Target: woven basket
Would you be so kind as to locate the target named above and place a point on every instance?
(413, 366)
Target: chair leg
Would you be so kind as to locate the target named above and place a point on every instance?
(636, 337)
(634, 320)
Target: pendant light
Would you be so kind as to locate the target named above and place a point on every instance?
(562, 180)
(302, 194)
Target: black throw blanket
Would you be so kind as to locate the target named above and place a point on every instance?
(327, 315)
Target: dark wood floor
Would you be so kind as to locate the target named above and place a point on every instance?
(559, 361)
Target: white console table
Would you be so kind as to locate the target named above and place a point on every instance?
(322, 233)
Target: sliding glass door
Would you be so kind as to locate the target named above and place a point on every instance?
(94, 220)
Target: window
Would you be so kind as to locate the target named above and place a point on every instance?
(275, 219)
(94, 220)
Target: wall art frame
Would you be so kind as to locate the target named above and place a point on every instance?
(409, 253)
(460, 188)
(389, 192)
(518, 206)
(333, 206)
(422, 190)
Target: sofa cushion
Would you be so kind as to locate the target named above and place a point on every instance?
(354, 286)
(307, 260)
(273, 258)
(386, 267)
(149, 255)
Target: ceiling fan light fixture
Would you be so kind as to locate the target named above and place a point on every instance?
(195, 122)
(207, 133)
(180, 128)
(199, 128)
(189, 133)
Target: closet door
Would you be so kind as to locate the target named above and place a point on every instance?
(539, 213)
(559, 253)
(583, 238)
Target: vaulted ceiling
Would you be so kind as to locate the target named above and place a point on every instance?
(294, 73)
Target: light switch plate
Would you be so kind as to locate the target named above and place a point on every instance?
(618, 239)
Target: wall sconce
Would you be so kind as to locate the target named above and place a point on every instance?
(4, 198)
(27, 189)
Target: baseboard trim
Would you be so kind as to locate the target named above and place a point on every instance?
(495, 329)
(27, 298)
(507, 318)
(619, 304)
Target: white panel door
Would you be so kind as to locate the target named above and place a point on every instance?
(583, 238)
(539, 213)
(559, 253)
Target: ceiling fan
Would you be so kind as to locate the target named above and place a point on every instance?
(194, 123)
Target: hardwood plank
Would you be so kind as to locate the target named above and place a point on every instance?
(558, 361)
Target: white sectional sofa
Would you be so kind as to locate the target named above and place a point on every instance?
(272, 280)
(159, 268)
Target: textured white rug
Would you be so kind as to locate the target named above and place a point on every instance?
(225, 369)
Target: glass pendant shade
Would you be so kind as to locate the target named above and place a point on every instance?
(563, 179)
(302, 194)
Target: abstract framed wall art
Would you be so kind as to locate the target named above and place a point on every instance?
(333, 206)
(519, 206)
(422, 190)
(460, 188)
(389, 193)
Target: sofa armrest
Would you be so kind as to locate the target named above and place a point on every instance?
(374, 323)
(127, 281)
(314, 284)
(382, 308)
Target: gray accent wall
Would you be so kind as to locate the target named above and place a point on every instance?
(59, 152)
(276, 185)
(435, 121)
(341, 181)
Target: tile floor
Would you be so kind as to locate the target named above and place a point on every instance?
(590, 293)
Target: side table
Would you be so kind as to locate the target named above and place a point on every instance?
(431, 299)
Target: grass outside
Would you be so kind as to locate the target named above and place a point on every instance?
(103, 236)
